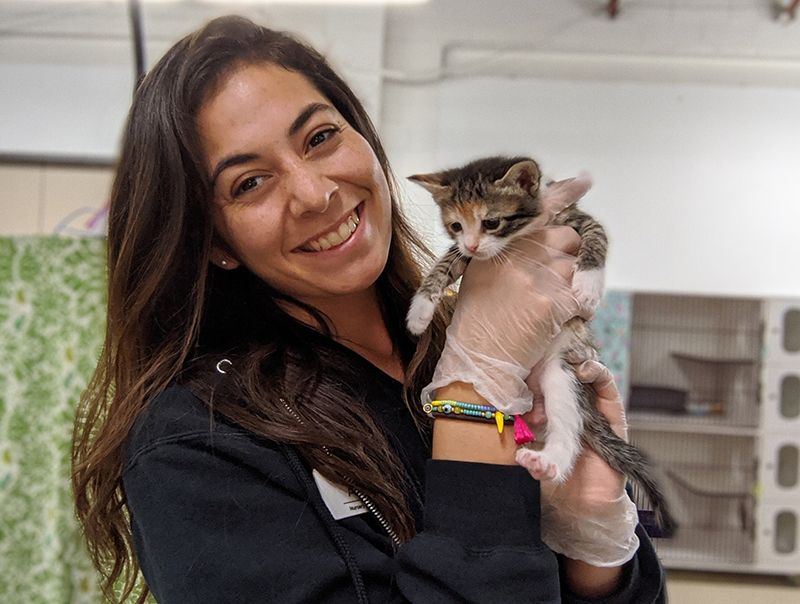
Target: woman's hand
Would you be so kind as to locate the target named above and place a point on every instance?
(509, 310)
(590, 517)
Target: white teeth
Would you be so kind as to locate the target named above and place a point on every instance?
(336, 237)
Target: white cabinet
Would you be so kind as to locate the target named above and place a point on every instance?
(782, 332)
(780, 397)
(715, 400)
(778, 538)
(779, 468)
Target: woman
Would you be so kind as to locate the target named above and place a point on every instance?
(259, 274)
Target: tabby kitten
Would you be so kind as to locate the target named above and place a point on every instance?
(485, 205)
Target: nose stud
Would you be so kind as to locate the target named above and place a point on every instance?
(330, 193)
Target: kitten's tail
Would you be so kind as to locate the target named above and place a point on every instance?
(626, 459)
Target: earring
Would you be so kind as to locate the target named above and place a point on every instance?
(223, 262)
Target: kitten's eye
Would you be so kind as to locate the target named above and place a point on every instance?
(456, 226)
(490, 224)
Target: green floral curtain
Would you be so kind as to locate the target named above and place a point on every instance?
(52, 298)
(611, 327)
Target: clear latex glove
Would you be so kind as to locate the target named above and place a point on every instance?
(590, 517)
(509, 310)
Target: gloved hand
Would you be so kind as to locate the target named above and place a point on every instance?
(512, 306)
(509, 310)
(590, 517)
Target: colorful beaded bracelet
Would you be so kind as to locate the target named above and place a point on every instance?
(461, 410)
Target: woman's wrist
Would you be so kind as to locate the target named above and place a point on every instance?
(460, 440)
(587, 581)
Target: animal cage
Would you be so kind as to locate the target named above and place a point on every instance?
(714, 399)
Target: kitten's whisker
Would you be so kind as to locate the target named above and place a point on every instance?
(455, 259)
(503, 258)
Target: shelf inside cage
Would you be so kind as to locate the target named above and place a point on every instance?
(717, 520)
(736, 489)
(688, 424)
(718, 361)
(733, 424)
(710, 545)
(707, 390)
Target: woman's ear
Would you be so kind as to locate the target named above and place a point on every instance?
(223, 259)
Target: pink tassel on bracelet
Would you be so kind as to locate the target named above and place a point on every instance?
(522, 433)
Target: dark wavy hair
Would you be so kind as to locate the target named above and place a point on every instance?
(171, 313)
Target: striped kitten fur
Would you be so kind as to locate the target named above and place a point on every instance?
(485, 205)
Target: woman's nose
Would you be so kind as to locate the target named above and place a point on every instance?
(309, 191)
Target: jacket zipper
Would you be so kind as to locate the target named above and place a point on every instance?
(370, 505)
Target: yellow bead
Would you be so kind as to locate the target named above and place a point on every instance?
(498, 418)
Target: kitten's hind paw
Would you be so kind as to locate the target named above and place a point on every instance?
(420, 314)
(537, 464)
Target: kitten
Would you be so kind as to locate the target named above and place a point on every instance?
(485, 205)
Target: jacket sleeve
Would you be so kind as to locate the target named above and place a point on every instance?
(481, 542)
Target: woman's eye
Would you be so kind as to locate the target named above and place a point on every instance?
(456, 226)
(490, 224)
(248, 184)
(320, 137)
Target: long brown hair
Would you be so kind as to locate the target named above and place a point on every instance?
(171, 314)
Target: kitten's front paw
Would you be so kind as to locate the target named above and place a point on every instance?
(588, 289)
(420, 314)
(537, 464)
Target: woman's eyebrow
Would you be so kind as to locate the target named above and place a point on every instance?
(227, 162)
(306, 114)
(297, 124)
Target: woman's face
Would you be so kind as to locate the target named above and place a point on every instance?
(299, 196)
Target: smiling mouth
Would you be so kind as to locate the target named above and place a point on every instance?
(338, 235)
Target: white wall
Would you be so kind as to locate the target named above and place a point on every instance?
(69, 96)
(698, 183)
(69, 110)
(699, 186)
(693, 151)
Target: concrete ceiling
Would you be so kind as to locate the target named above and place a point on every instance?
(167, 19)
(98, 31)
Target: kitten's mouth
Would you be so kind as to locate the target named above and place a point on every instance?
(478, 255)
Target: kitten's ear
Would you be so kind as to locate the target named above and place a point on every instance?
(523, 175)
(432, 182)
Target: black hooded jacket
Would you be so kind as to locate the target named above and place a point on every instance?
(220, 515)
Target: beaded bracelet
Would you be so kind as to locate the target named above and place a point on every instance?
(461, 410)
(473, 411)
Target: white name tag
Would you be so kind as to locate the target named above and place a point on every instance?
(341, 502)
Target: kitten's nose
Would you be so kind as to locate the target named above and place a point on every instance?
(472, 248)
